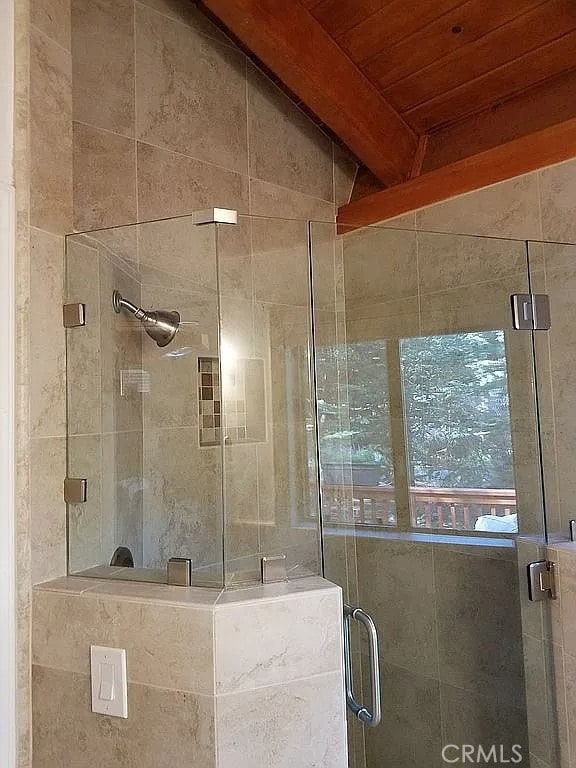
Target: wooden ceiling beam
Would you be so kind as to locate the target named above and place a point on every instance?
(288, 40)
(548, 146)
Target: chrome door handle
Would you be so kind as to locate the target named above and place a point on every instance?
(370, 717)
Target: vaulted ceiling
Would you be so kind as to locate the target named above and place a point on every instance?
(434, 97)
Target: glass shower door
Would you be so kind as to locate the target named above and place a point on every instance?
(431, 490)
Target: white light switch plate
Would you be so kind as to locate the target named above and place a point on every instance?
(109, 682)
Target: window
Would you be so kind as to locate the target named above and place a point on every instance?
(458, 432)
(437, 407)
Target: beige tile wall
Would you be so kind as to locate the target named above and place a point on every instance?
(122, 170)
(43, 172)
(536, 206)
(559, 646)
(181, 164)
(108, 131)
(170, 117)
(206, 709)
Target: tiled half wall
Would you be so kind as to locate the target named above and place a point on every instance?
(229, 679)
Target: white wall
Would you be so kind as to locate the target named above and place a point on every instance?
(7, 541)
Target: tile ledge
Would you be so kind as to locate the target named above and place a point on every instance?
(187, 597)
(190, 597)
(305, 587)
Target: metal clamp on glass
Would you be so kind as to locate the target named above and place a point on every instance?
(370, 717)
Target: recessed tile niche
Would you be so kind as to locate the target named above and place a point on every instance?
(232, 404)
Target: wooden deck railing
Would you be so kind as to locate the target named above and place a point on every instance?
(448, 508)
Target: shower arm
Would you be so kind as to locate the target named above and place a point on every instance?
(122, 303)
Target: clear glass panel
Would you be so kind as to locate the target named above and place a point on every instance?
(220, 418)
(430, 395)
(270, 457)
(553, 271)
(136, 409)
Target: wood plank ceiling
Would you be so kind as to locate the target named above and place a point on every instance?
(463, 77)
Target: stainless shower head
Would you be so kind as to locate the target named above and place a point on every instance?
(161, 325)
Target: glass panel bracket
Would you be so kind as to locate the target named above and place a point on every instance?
(274, 569)
(542, 580)
(530, 311)
(75, 490)
(215, 216)
(179, 572)
(74, 315)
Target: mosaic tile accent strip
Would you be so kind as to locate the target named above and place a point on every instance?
(232, 410)
(209, 401)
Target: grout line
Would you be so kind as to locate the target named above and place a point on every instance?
(46, 232)
(295, 105)
(135, 125)
(129, 681)
(104, 130)
(418, 287)
(295, 191)
(248, 157)
(553, 403)
(163, 149)
(189, 214)
(437, 649)
(225, 42)
(267, 425)
(104, 434)
(46, 36)
(539, 193)
(334, 177)
(192, 157)
(215, 678)
(564, 696)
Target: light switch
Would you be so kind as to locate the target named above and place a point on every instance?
(109, 682)
(106, 692)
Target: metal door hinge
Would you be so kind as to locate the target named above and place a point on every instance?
(530, 311)
(75, 490)
(74, 315)
(542, 580)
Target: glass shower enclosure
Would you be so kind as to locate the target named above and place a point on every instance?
(191, 420)
(357, 405)
(430, 449)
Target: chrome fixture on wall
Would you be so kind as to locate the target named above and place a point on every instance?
(161, 325)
